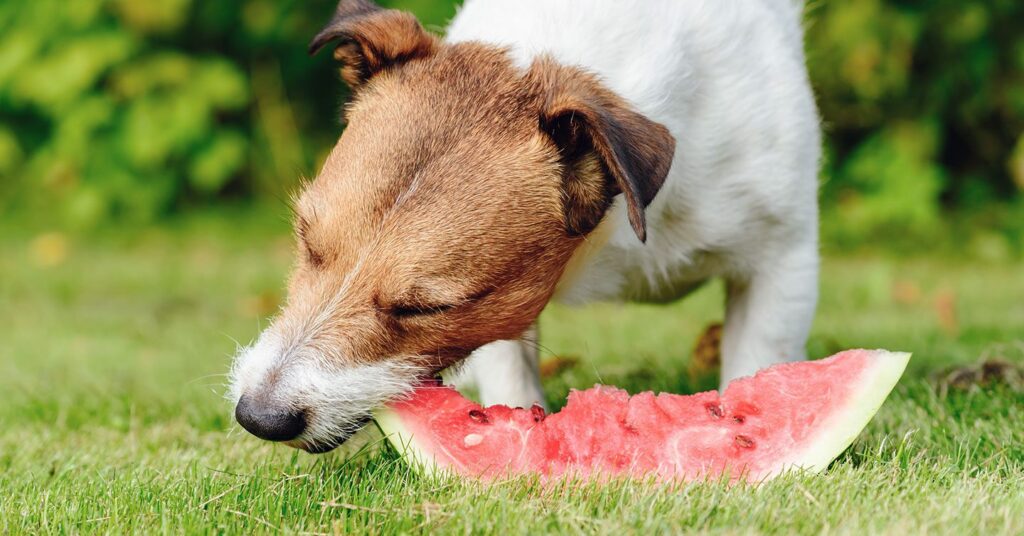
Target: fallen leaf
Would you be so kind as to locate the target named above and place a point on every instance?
(707, 353)
(554, 365)
(49, 249)
(905, 292)
(945, 309)
(987, 373)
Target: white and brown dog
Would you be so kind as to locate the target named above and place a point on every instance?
(575, 150)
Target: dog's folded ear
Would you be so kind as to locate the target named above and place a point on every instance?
(371, 39)
(607, 148)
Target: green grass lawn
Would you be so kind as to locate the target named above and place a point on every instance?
(113, 351)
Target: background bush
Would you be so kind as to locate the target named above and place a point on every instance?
(924, 109)
(126, 111)
(120, 110)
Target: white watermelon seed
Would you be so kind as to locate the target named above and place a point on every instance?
(472, 440)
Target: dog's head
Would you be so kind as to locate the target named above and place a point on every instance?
(441, 221)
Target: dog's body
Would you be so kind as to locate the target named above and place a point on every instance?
(481, 177)
(728, 81)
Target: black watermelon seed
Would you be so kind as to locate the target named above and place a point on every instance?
(744, 442)
(538, 413)
(478, 416)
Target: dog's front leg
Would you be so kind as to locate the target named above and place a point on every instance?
(505, 372)
(769, 312)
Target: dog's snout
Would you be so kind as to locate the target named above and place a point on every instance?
(269, 421)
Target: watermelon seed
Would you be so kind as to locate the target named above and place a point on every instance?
(739, 419)
(472, 440)
(715, 410)
(538, 413)
(478, 416)
(744, 442)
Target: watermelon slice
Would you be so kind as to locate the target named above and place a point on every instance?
(793, 415)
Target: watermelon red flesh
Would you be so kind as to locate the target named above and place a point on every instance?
(790, 415)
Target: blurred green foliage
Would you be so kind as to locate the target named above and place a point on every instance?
(121, 110)
(125, 111)
(923, 102)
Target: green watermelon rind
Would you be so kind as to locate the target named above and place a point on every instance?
(832, 439)
(843, 427)
(402, 440)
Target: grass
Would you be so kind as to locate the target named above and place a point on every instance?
(113, 349)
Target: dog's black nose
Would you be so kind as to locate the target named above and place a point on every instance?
(269, 421)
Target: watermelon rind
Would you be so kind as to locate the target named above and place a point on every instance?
(402, 440)
(844, 426)
(833, 437)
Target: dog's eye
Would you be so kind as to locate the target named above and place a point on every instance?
(410, 310)
(411, 307)
(302, 229)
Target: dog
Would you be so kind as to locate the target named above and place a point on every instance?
(570, 150)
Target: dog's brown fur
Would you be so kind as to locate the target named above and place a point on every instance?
(461, 187)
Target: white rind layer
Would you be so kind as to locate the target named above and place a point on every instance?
(838, 433)
(404, 442)
(843, 426)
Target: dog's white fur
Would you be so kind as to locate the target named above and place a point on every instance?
(340, 394)
(728, 79)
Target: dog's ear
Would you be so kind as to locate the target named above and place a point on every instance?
(371, 39)
(606, 147)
